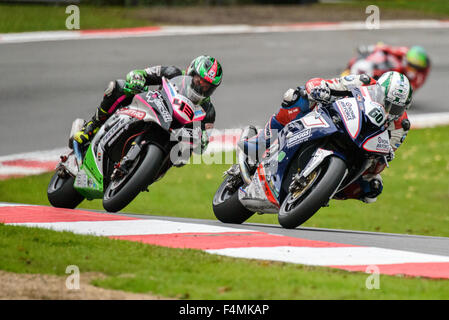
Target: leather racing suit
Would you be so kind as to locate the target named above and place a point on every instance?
(297, 103)
(115, 96)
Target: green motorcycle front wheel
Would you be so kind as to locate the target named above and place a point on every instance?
(139, 177)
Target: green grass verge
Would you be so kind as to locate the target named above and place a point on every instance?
(29, 17)
(414, 200)
(22, 18)
(437, 7)
(193, 274)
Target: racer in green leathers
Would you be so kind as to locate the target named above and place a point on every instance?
(207, 75)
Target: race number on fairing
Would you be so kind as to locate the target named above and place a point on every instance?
(375, 113)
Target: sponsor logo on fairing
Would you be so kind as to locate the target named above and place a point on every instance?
(383, 144)
(347, 111)
(299, 137)
(114, 129)
(132, 113)
(154, 99)
(350, 115)
(379, 143)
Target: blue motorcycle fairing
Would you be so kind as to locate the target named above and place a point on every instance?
(353, 114)
(290, 139)
(278, 157)
(366, 131)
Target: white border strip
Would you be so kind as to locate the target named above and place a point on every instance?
(344, 256)
(130, 227)
(46, 155)
(25, 37)
(429, 120)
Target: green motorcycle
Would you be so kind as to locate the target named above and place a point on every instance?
(134, 148)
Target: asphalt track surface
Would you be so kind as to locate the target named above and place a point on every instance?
(44, 86)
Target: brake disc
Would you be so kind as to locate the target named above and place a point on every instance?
(304, 186)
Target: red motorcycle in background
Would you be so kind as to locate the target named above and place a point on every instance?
(374, 60)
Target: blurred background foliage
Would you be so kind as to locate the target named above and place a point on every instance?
(163, 2)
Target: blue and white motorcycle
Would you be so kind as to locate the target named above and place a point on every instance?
(312, 159)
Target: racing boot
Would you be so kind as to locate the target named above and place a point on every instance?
(249, 147)
(373, 188)
(365, 189)
(86, 134)
(90, 128)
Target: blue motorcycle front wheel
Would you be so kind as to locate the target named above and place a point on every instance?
(298, 207)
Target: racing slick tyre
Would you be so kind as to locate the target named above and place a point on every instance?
(227, 207)
(143, 172)
(301, 205)
(61, 193)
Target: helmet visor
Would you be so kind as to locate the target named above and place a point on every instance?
(394, 109)
(414, 68)
(183, 85)
(202, 87)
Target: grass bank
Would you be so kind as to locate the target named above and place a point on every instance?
(29, 17)
(23, 18)
(193, 274)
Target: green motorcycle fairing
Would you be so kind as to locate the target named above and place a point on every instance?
(89, 180)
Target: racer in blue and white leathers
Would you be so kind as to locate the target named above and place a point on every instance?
(299, 101)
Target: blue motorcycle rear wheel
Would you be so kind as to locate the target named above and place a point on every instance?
(227, 207)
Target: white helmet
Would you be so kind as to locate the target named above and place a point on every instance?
(398, 93)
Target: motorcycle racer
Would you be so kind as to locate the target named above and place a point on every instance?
(207, 75)
(413, 62)
(298, 102)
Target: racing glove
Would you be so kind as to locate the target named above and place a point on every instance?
(135, 82)
(390, 155)
(321, 94)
